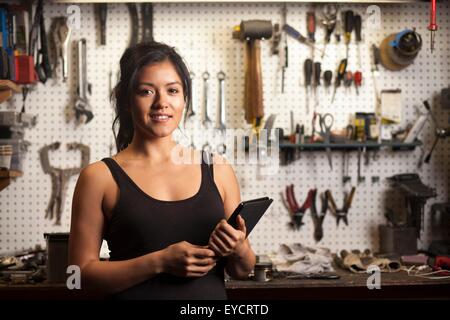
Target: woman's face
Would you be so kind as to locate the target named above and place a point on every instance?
(158, 101)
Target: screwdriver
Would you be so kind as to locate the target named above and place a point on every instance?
(338, 27)
(357, 79)
(311, 27)
(307, 69)
(348, 28)
(357, 75)
(357, 24)
(297, 35)
(339, 76)
(327, 76)
(432, 26)
(317, 73)
(348, 78)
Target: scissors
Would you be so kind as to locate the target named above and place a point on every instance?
(326, 123)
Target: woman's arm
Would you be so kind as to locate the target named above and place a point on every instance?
(226, 240)
(86, 236)
(182, 259)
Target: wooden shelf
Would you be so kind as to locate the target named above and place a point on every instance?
(6, 176)
(369, 145)
(7, 88)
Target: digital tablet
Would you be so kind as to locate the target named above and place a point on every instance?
(251, 211)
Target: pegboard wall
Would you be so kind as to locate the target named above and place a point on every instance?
(202, 34)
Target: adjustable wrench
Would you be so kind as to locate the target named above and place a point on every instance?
(205, 118)
(220, 115)
(83, 110)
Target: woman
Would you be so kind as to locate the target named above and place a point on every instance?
(165, 222)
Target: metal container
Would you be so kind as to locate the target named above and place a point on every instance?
(57, 256)
(398, 240)
(20, 148)
(263, 271)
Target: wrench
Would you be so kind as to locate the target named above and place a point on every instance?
(220, 115)
(346, 177)
(205, 118)
(360, 178)
(191, 111)
(83, 110)
(62, 40)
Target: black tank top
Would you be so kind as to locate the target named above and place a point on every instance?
(140, 224)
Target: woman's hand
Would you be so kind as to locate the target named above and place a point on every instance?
(184, 259)
(225, 239)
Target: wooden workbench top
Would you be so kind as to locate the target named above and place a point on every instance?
(348, 286)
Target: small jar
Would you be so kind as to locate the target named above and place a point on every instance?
(263, 271)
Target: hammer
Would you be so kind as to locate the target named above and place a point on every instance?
(251, 32)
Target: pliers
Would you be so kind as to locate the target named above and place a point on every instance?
(318, 218)
(297, 212)
(341, 214)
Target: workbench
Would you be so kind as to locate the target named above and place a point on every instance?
(349, 286)
(396, 285)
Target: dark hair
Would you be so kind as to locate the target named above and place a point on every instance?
(133, 59)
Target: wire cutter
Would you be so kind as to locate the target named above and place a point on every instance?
(341, 214)
(297, 212)
(318, 218)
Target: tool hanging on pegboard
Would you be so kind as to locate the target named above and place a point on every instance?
(433, 27)
(317, 218)
(341, 213)
(440, 133)
(142, 29)
(280, 47)
(101, 13)
(399, 50)
(328, 21)
(62, 33)
(296, 212)
(251, 33)
(60, 177)
(82, 109)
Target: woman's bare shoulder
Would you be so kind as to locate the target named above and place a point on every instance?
(96, 173)
(223, 170)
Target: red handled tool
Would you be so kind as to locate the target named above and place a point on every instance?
(297, 212)
(433, 27)
(357, 79)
